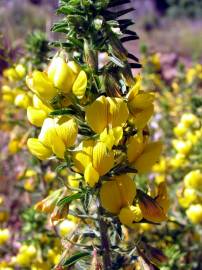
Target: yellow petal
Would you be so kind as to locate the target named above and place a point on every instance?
(135, 147)
(130, 215)
(118, 112)
(61, 74)
(38, 149)
(163, 198)
(141, 101)
(110, 197)
(91, 175)
(22, 101)
(118, 193)
(39, 104)
(36, 116)
(58, 147)
(74, 67)
(140, 118)
(41, 85)
(127, 189)
(81, 160)
(97, 114)
(103, 160)
(118, 134)
(48, 132)
(68, 132)
(107, 138)
(135, 89)
(83, 157)
(149, 157)
(80, 84)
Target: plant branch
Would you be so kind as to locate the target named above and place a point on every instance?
(105, 243)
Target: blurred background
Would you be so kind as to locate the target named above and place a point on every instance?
(167, 25)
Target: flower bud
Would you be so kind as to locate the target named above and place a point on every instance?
(61, 74)
(22, 100)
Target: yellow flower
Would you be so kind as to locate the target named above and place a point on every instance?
(41, 85)
(191, 75)
(102, 160)
(182, 147)
(83, 157)
(49, 176)
(117, 193)
(38, 149)
(68, 131)
(58, 137)
(91, 175)
(94, 160)
(140, 105)
(178, 161)
(21, 70)
(37, 113)
(66, 227)
(189, 197)
(141, 154)
(73, 180)
(14, 146)
(161, 166)
(180, 130)
(188, 119)
(61, 74)
(26, 255)
(29, 185)
(36, 116)
(194, 213)
(4, 236)
(106, 111)
(80, 84)
(11, 74)
(130, 215)
(193, 180)
(111, 136)
(22, 101)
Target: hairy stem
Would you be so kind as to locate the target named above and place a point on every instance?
(105, 242)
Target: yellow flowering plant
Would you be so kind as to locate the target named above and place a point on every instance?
(93, 120)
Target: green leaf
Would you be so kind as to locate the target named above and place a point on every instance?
(67, 111)
(76, 257)
(69, 199)
(61, 167)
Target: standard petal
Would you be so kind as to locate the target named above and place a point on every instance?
(103, 160)
(80, 84)
(149, 157)
(118, 111)
(68, 132)
(135, 147)
(97, 114)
